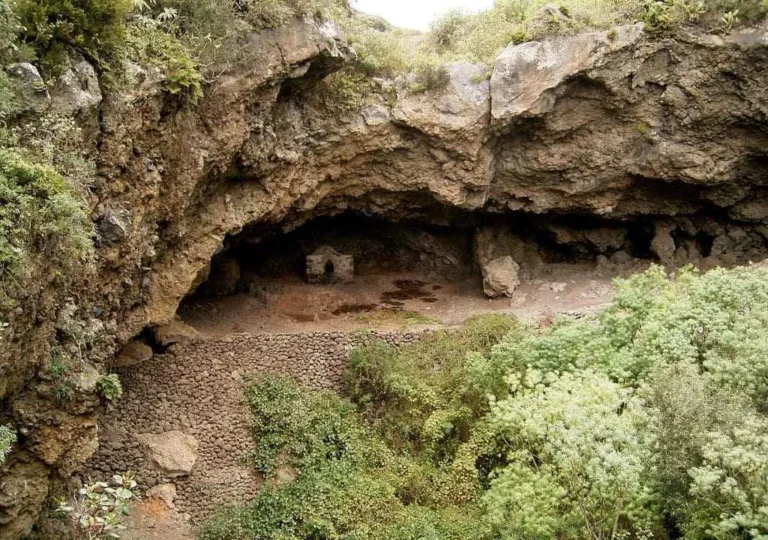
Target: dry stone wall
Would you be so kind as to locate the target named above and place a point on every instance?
(197, 388)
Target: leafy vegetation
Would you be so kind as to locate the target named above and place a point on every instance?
(40, 215)
(109, 387)
(7, 440)
(95, 510)
(646, 421)
(95, 28)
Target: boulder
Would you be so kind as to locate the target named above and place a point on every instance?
(173, 453)
(76, 90)
(493, 242)
(548, 19)
(133, 354)
(500, 277)
(173, 332)
(32, 91)
(663, 245)
(115, 224)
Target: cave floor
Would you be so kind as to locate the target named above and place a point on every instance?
(399, 300)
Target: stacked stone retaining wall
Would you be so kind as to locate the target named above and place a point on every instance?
(196, 387)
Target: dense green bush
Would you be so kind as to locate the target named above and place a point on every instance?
(274, 13)
(40, 215)
(716, 321)
(109, 387)
(331, 474)
(425, 386)
(95, 28)
(712, 455)
(153, 46)
(579, 448)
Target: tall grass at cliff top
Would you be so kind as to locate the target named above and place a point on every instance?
(480, 37)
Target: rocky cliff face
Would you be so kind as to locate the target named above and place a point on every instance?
(612, 124)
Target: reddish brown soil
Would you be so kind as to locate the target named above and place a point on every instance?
(395, 300)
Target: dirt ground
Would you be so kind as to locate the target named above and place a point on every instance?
(397, 300)
(152, 519)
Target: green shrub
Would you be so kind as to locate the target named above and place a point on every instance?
(7, 440)
(109, 387)
(332, 477)
(302, 429)
(9, 102)
(9, 30)
(380, 53)
(344, 91)
(58, 141)
(96, 510)
(431, 74)
(712, 457)
(274, 13)
(182, 75)
(40, 215)
(447, 29)
(716, 320)
(93, 27)
(399, 391)
(579, 447)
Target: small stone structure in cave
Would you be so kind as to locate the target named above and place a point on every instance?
(326, 265)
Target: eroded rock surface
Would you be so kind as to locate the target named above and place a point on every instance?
(624, 127)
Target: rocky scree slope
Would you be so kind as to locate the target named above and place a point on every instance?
(614, 124)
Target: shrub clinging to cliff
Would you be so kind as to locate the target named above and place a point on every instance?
(7, 440)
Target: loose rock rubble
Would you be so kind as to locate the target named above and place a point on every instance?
(196, 388)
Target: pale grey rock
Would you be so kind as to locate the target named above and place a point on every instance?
(525, 74)
(76, 90)
(663, 245)
(164, 492)
(546, 20)
(134, 353)
(32, 91)
(459, 110)
(115, 224)
(174, 332)
(172, 453)
(86, 377)
(500, 277)
(375, 115)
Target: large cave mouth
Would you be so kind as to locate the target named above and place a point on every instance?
(431, 267)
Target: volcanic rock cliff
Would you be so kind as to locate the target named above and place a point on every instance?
(617, 125)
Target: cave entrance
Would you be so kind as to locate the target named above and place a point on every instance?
(350, 269)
